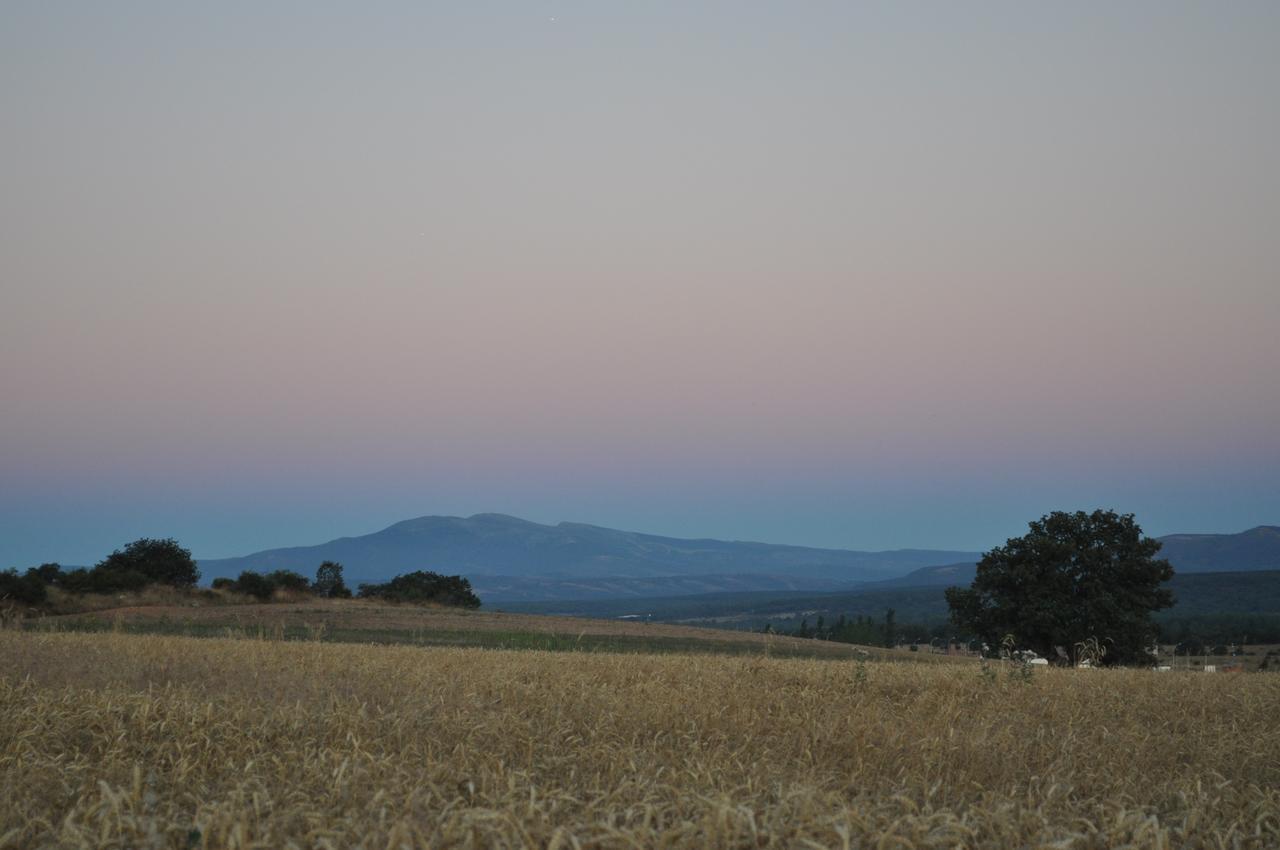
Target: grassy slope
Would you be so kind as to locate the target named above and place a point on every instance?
(145, 741)
(363, 621)
(1197, 594)
(755, 608)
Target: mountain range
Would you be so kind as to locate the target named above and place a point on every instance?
(509, 559)
(1248, 551)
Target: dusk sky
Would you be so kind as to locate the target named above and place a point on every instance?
(857, 275)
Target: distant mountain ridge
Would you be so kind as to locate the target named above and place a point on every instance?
(510, 559)
(495, 545)
(1247, 551)
(1255, 549)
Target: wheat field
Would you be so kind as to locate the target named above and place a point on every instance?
(128, 741)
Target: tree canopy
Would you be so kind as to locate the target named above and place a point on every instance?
(329, 582)
(151, 561)
(1072, 578)
(27, 589)
(424, 586)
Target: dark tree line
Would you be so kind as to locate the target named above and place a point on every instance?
(861, 630)
(163, 562)
(424, 586)
(328, 583)
(416, 587)
(264, 585)
(24, 589)
(1197, 631)
(139, 564)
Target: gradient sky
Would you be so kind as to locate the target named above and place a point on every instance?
(864, 275)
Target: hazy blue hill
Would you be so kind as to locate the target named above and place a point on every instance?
(1246, 592)
(944, 575)
(498, 545)
(1255, 549)
(510, 559)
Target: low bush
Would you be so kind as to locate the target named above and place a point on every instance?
(289, 580)
(329, 583)
(102, 579)
(254, 584)
(263, 587)
(424, 586)
(25, 589)
(158, 561)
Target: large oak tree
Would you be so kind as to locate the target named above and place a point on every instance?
(1072, 578)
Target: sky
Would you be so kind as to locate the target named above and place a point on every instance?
(873, 275)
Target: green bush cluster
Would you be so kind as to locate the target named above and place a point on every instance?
(23, 589)
(424, 586)
(421, 586)
(864, 630)
(328, 583)
(262, 586)
(138, 564)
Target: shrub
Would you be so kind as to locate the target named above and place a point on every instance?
(102, 580)
(424, 586)
(137, 565)
(263, 587)
(76, 581)
(160, 561)
(289, 580)
(48, 573)
(25, 589)
(116, 579)
(329, 583)
(255, 585)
